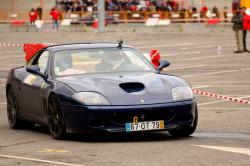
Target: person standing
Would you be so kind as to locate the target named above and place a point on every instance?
(33, 16)
(55, 17)
(39, 12)
(237, 21)
(246, 27)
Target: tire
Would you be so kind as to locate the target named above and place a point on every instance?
(12, 110)
(56, 121)
(186, 131)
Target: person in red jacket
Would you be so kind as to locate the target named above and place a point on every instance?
(33, 16)
(246, 27)
(55, 17)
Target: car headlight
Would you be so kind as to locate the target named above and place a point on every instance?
(90, 98)
(182, 93)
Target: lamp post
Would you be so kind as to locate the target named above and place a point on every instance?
(13, 5)
(202, 3)
(101, 16)
(42, 6)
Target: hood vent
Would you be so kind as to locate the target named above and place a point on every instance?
(132, 87)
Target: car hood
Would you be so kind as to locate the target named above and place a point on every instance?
(127, 88)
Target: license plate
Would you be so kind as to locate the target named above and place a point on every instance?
(144, 126)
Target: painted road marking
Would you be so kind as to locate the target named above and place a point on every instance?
(244, 151)
(220, 101)
(222, 135)
(214, 73)
(37, 160)
(207, 57)
(53, 151)
(221, 108)
(180, 54)
(7, 57)
(212, 85)
(200, 87)
(188, 67)
(208, 46)
(190, 48)
(189, 44)
(166, 45)
(6, 69)
(192, 53)
(169, 54)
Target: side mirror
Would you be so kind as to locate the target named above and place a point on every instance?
(163, 64)
(34, 69)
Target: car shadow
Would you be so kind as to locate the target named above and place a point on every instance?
(101, 137)
(124, 137)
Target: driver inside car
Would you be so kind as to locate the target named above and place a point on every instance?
(110, 62)
(64, 65)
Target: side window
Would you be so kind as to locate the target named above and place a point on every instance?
(42, 61)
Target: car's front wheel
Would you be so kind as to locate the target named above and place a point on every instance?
(56, 121)
(186, 131)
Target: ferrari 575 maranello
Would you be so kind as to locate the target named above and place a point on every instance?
(90, 87)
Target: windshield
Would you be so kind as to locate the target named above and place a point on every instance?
(71, 62)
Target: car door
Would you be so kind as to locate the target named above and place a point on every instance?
(32, 87)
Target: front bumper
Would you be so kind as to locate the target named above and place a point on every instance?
(81, 118)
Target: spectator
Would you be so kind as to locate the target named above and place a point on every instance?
(39, 12)
(204, 12)
(142, 5)
(246, 27)
(237, 21)
(33, 16)
(225, 12)
(235, 5)
(215, 11)
(55, 17)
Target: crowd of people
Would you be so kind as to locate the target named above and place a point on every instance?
(138, 5)
(123, 5)
(119, 5)
(35, 14)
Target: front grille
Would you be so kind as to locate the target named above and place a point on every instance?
(143, 115)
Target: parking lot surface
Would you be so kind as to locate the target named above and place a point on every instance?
(203, 55)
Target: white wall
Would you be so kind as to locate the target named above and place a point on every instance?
(24, 5)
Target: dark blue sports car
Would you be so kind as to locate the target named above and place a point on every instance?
(98, 87)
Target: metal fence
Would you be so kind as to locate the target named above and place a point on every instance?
(125, 16)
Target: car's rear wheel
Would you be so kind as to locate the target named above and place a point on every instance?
(56, 121)
(12, 110)
(186, 131)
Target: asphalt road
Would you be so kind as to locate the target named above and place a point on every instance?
(203, 55)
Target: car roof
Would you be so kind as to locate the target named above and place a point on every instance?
(73, 46)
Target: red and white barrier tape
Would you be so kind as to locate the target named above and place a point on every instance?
(10, 45)
(223, 97)
(21, 45)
